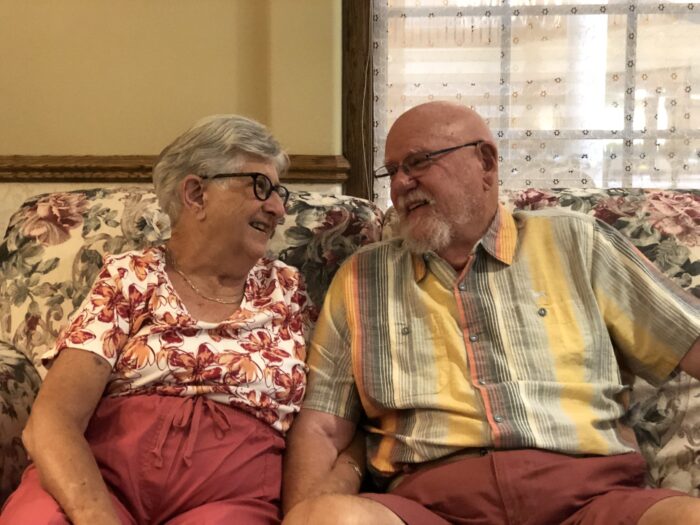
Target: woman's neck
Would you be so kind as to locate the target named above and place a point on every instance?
(207, 264)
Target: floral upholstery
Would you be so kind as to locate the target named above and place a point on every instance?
(19, 382)
(54, 246)
(53, 249)
(665, 226)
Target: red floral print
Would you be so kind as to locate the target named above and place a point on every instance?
(254, 360)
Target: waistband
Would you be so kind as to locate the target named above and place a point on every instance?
(412, 468)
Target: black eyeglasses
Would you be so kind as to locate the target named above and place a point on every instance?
(262, 185)
(418, 161)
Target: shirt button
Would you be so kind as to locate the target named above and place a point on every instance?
(482, 382)
(405, 330)
(462, 286)
(498, 419)
(426, 257)
(473, 338)
(542, 312)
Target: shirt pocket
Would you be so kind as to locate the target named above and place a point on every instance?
(403, 371)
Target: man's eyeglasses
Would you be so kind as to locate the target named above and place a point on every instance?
(418, 161)
(262, 185)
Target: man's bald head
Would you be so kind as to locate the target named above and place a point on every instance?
(444, 184)
(447, 119)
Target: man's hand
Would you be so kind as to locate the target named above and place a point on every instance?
(690, 363)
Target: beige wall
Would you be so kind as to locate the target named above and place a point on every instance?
(103, 77)
(305, 74)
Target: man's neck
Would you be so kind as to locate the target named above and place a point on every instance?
(457, 256)
(459, 251)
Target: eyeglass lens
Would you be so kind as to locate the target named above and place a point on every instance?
(263, 188)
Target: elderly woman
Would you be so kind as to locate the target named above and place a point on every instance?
(171, 389)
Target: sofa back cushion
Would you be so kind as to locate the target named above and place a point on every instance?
(663, 224)
(55, 243)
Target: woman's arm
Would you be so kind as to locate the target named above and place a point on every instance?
(55, 436)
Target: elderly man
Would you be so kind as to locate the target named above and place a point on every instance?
(480, 351)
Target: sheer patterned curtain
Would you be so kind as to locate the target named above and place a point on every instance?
(578, 94)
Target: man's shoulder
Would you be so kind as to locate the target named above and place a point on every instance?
(553, 213)
(382, 250)
(554, 216)
(377, 256)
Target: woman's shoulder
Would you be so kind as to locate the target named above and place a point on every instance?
(149, 253)
(267, 270)
(138, 262)
(275, 265)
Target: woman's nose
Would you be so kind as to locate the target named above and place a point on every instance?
(275, 205)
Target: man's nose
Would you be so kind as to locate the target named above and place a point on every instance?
(402, 180)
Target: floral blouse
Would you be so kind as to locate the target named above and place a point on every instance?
(254, 360)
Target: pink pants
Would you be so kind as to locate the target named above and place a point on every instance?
(172, 460)
(526, 487)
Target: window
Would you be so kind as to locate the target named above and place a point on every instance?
(593, 94)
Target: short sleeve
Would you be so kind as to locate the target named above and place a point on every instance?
(101, 323)
(652, 321)
(305, 308)
(331, 385)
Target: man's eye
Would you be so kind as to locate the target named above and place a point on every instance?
(417, 162)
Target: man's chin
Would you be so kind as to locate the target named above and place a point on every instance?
(427, 236)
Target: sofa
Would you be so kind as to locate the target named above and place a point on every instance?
(55, 243)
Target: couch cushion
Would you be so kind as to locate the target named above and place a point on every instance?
(55, 243)
(19, 383)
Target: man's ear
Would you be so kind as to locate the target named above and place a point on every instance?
(192, 195)
(489, 161)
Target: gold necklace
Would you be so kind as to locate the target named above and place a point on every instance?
(169, 258)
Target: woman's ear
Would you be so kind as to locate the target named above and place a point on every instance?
(192, 195)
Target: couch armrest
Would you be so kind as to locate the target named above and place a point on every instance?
(667, 423)
(19, 384)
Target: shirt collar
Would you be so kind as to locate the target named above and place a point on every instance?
(501, 237)
(499, 241)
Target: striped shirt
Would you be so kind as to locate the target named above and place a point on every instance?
(520, 350)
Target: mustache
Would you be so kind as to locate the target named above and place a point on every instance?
(417, 195)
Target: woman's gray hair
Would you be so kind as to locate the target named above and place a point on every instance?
(209, 147)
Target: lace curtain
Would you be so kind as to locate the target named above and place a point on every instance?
(592, 94)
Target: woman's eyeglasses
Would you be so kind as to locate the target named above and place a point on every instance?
(262, 185)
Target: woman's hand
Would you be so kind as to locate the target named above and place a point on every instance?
(55, 436)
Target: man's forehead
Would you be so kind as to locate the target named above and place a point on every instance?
(421, 139)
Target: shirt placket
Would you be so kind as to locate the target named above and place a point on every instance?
(476, 344)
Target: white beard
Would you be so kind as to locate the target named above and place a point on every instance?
(434, 232)
(434, 235)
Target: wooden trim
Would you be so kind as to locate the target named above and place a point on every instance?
(137, 168)
(358, 93)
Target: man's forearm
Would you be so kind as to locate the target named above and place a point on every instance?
(310, 470)
(317, 464)
(691, 362)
